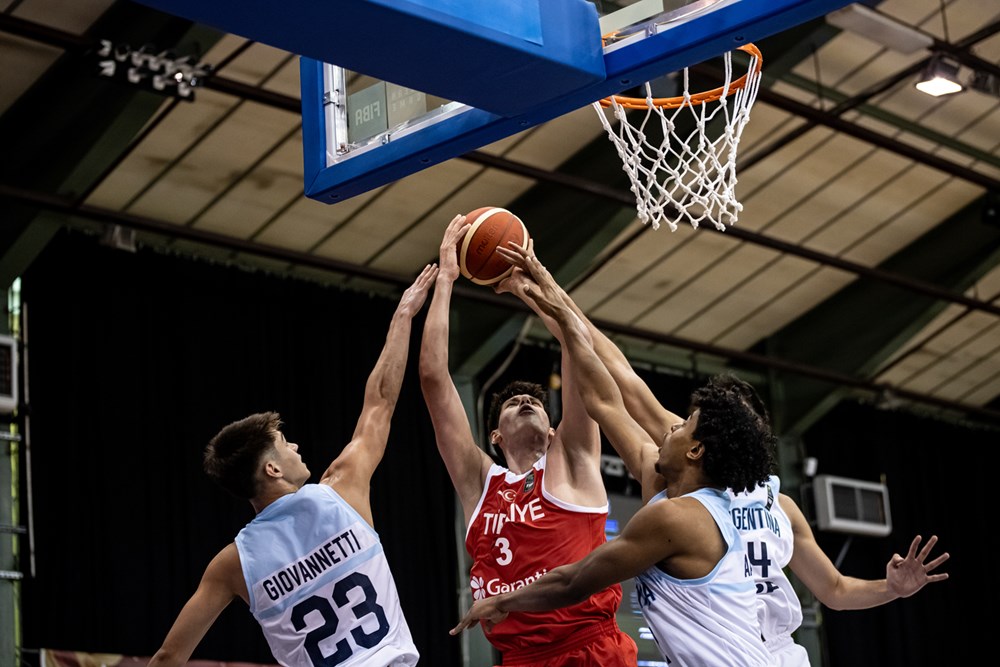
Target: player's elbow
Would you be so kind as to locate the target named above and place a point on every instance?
(831, 598)
(570, 587)
(834, 604)
(598, 406)
(166, 658)
(575, 594)
(433, 374)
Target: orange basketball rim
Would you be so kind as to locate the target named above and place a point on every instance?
(693, 99)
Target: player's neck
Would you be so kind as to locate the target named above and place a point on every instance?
(276, 490)
(687, 483)
(521, 459)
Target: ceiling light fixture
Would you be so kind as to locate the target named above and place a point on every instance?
(939, 78)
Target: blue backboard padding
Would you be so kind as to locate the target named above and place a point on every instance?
(484, 53)
(313, 120)
(518, 19)
(701, 39)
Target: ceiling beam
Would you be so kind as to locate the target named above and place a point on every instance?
(859, 328)
(74, 143)
(618, 196)
(838, 124)
(69, 41)
(70, 209)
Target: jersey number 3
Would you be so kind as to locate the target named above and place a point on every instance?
(329, 627)
(506, 556)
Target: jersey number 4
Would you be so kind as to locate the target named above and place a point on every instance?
(759, 560)
(331, 621)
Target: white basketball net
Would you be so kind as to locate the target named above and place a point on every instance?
(686, 177)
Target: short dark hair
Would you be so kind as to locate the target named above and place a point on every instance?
(734, 427)
(515, 388)
(233, 455)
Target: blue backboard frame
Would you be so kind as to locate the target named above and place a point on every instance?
(700, 38)
(445, 48)
(513, 64)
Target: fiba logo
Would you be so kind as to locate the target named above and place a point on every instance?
(477, 588)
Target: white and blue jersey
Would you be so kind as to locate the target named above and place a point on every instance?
(711, 620)
(320, 585)
(767, 535)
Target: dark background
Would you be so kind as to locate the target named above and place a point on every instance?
(136, 360)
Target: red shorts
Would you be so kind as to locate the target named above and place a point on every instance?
(602, 645)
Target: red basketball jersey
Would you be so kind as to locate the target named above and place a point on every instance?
(519, 532)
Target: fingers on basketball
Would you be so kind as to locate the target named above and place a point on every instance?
(490, 228)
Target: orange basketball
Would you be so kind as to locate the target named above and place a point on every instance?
(491, 228)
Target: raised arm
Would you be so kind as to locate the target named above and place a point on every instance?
(639, 401)
(221, 582)
(351, 472)
(577, 434)
(467, 464)
(597, 388)
(904, 576)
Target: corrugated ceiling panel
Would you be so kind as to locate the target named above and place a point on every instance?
(307, 223)
(179, 130)
(730, 279)
(73, 17)
(24, 62)
(256, 64)
(421, 243)
(211, 167)
(257, 198)
(778, 299)
(394, 209)
(939, 201)
(678, 273)
(556, 141)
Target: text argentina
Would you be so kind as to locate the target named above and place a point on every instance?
(754, 517)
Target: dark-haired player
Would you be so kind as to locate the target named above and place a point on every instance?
(548, 507)
(310, 565)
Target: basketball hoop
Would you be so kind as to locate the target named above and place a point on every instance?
(693, 176)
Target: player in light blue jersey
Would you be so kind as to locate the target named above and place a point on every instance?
(309, 565)
(777, 535)
(794, 546)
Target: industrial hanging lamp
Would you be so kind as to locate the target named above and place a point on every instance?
(940, 77)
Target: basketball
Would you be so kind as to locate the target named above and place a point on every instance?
(491, 228)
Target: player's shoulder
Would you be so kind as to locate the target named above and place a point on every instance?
(791, 509)
(226, 566)
(673, 511)
(227, 556)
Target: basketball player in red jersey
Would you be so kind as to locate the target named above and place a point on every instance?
(546, 509)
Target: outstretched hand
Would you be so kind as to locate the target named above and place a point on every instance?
(485, 610)
(530, 278)
(415, 295)
(906, 576)
(519, 277)
(448, 256)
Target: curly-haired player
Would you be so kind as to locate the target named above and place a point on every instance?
(770, 522)
(690, 567)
